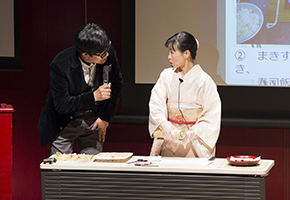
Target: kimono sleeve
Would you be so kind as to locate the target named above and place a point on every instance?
(207, 127)
(157, 104)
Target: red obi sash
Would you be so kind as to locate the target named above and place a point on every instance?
(181, 122)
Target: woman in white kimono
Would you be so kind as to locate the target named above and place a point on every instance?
(185, 107)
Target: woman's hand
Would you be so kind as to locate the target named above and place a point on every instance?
(168, 130)
(190, 135)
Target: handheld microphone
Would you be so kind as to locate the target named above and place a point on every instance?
(106, 70)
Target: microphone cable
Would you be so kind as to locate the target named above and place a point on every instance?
(180, 81)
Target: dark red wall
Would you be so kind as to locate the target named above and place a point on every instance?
(49, 26)
(271, 144)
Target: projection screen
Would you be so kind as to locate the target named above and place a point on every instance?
(242, 43)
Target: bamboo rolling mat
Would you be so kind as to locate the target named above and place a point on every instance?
(284, 13)
(113, 157)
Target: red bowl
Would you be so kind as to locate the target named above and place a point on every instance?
(239, 160)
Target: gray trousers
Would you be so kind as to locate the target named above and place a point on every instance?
(79, 131)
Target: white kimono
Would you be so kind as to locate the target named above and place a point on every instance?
(197, 90)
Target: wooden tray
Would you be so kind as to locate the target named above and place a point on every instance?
(113, 157)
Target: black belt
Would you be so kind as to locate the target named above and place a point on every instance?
(82, 113)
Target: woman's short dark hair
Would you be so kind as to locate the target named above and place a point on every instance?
(91, 39)
(183, 41)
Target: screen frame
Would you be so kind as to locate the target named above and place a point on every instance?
(14, 63)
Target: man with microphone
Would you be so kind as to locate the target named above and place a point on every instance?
(85, 88)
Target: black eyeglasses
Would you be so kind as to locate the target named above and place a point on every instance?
(105, 52)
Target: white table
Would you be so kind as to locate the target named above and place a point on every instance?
(168, 178)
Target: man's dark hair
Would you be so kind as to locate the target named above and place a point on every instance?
(91, 39)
